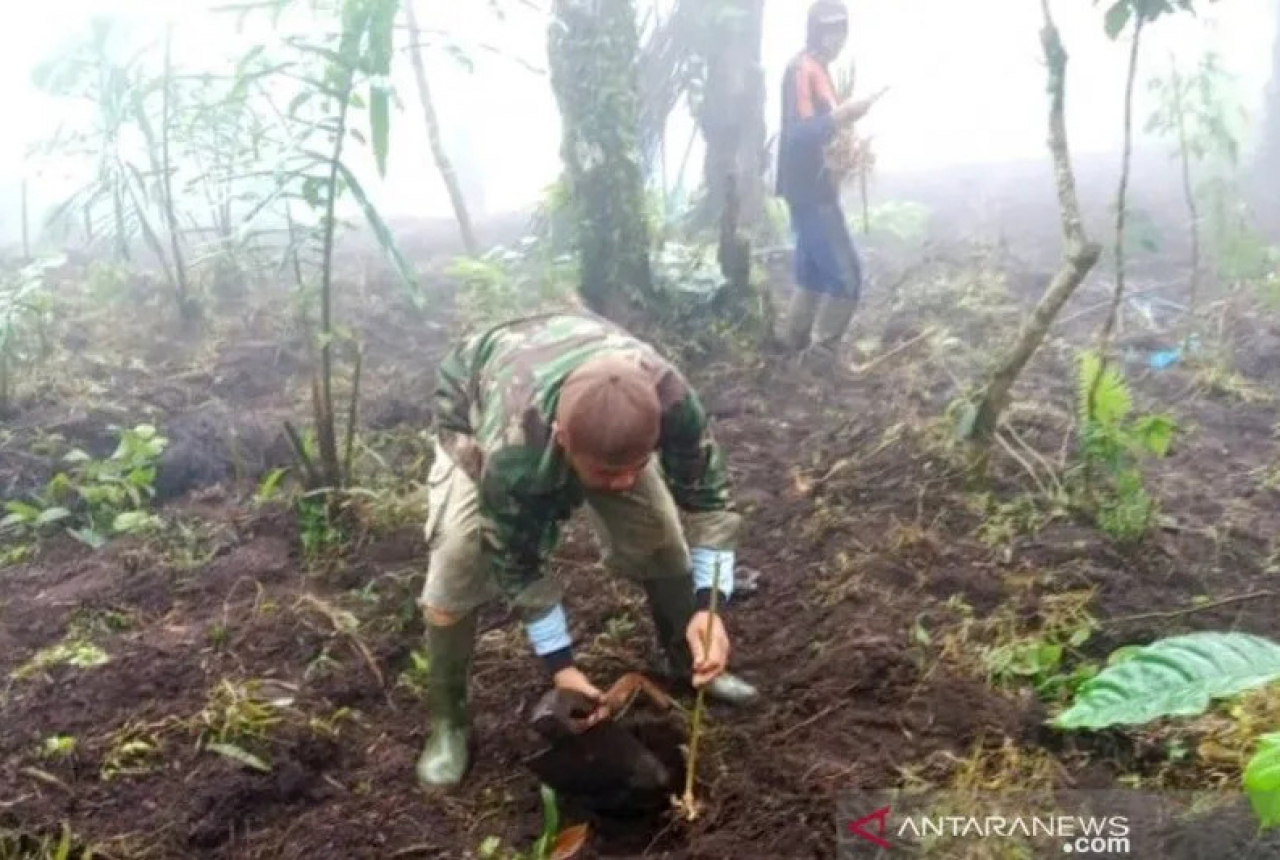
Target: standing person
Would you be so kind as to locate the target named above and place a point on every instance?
(532, 419)
(826, 262)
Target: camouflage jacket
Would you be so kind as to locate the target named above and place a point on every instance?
(498, 390)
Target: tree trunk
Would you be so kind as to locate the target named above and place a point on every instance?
(445, 166)
(592, 48)
(1079, 254)
(1122, 196)
(731, 111)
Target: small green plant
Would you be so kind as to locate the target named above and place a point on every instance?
(553, 843)
(1048, 659)
(58, 747)
(318, 529)
(132, 751)
(98, 498)
(1112, 445)
(1039, 661)
(414, 677)
(239, 712)
(72, 651)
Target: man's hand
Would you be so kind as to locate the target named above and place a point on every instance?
(468, 455)
(573, 679)
(852, 110)
(709, 659)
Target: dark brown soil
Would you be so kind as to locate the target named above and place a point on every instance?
(861, 524)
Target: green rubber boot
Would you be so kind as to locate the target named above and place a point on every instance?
(671, 605)
(446, 755)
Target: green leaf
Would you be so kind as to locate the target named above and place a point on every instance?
(1262, 781)
(235, 753)
(132, 521)
(1111, 400)
(52, 515)
(1080, 635)
(21, 511)
(89, 537)
(550, 823)
(1117, 17)
(1175, 677)
(1155, 433)
(384, 236)
(63, 851)
(379, 125)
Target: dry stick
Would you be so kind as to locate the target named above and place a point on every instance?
(1129, 294)
(1040, 458)
(1044, 491)
(900, 348)
(1178, 613)
(809, 720)
(688, 803)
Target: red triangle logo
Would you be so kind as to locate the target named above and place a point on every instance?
(879, 816)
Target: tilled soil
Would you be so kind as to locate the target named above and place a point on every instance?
(861, 528)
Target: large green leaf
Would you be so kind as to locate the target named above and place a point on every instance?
(1175, 677)
(1117, 17)
(1262, 781)
(384, 236)
(380, 125)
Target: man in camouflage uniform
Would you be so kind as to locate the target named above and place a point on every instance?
(533, 418)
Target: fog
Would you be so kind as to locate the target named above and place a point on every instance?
(967, 86)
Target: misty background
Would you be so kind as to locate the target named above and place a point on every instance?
(967, 89)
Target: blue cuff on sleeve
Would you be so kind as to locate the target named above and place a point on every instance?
(549, 633)
(705, 560)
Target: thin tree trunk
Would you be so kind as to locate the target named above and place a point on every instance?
(186, 307)
(443, 164)
(1188, 190)
(1122, 210)
(326, 432)
(1122, 205)
(1079, 254)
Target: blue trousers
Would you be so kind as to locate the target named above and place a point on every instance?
(826, 260)
(828, 272)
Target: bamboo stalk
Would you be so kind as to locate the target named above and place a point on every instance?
(688, 803)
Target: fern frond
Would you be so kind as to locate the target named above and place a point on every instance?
(1111, 401)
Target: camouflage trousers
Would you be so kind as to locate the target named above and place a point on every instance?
(639, 532)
